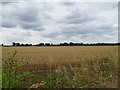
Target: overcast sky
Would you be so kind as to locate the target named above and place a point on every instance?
(56, 22)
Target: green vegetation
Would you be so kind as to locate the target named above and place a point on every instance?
(11, 77)
(91, 73)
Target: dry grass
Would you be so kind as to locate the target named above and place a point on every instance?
(70, 67)
(38, 55)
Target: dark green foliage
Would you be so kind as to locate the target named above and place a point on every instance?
(10, 76)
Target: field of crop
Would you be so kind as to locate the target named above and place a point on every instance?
(64, 66)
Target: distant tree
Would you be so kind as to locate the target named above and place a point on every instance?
(41, 44)
(61, 44)
(22, 44)
(36, 45)
(87, 44)
(26, 44)
(2, 44)
(51, 44)
(71, 44)
(65, 44)
(17, 44)
(14, 44)
(47, 44)
(81, 44)
(118, 43)
(76, 44)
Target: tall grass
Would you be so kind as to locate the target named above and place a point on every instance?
(11, 77)
(88, 73)
(99, 73)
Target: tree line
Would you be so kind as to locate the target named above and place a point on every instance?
(65, 44)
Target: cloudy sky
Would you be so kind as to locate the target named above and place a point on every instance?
(56, 22)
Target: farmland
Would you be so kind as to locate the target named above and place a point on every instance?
(68, 66)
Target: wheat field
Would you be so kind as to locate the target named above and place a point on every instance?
(37, 55)
(70, 66)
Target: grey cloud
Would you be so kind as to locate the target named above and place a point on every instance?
(78, 20)
(27, 17)
(73, 30)
(77, 17)
(6, 3)
(28, 25)
(23, 34)
(107, 6)
(32, 26)
(31, 16)
(15, 39)
(8, 19)
(51, 35)
(82, 29)
(85, 23)
(38, 28)
(8, 24)
(68, 3)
